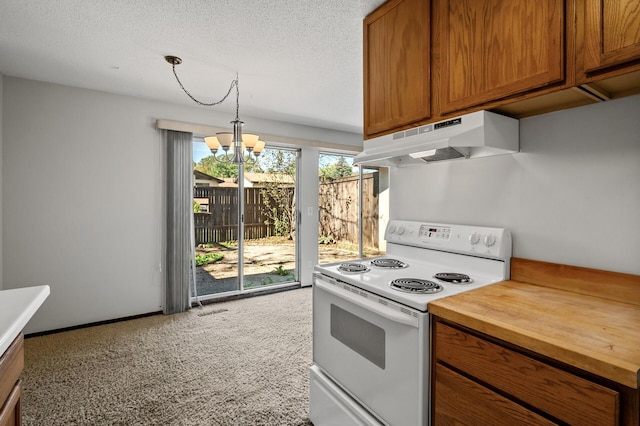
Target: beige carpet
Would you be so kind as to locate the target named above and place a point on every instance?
(243, 362)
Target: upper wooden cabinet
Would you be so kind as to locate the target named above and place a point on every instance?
(611, 31)
(396, 65)
(429, 60)
(493, 49)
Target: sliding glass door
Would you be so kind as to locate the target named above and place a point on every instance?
(216, 224)
(244, 222)
(270, 220)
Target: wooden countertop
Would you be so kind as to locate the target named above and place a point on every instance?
(17, 306)
(586, 318)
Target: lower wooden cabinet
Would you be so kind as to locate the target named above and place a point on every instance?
(460, 400)
(11, 366)
(11, 415)
(479, 380)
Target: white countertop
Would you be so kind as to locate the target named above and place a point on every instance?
(17, 306)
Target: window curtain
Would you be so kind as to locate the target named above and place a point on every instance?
(179, 215)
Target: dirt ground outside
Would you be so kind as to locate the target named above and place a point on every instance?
(266, 261)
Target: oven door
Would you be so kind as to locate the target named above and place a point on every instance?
(376, 349)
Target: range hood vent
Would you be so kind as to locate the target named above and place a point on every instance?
(479, 134)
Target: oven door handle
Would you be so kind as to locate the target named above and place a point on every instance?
(377, 308)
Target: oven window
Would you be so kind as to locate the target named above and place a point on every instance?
(360, 335)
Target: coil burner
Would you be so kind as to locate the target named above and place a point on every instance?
(416, 286)
(388, 263)
(353, 268)
(453, 277)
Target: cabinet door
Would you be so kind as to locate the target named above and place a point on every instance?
(460, 401)
(11, 366)
(611, 33)
(396, 65)
(493, 49)
(10, 412)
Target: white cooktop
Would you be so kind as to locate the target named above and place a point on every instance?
(481, 253)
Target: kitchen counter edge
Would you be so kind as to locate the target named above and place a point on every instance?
(520, 313)
(17, 307)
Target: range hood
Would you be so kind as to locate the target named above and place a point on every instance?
(478, 134)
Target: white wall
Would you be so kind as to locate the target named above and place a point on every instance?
(571, 196)
(83, 194)
(1, 102)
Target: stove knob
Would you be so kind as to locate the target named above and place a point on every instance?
(392, 229)
(401, 230)
(474, 238)
(489, 240)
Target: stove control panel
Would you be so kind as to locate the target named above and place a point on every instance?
(466, 239)
(434, 233)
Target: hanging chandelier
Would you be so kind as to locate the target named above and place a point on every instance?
(234, 143)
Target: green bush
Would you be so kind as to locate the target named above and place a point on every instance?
(280, 271)
(326, 240)
(204, 259)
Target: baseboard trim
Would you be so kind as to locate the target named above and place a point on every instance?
(91, 324)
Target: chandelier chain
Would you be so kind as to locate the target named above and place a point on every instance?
(233, 83)
(237, 138)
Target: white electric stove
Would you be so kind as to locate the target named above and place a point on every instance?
(371, 324)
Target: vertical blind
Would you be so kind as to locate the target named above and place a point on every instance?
(179, 212)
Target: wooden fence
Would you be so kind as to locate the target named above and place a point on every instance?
(338, 203)
(221, 222)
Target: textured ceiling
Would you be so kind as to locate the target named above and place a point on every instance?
(298, 61)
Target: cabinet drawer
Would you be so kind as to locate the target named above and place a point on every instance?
(11, 365)
(10, 414)
(564, 396)
(474, 404)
